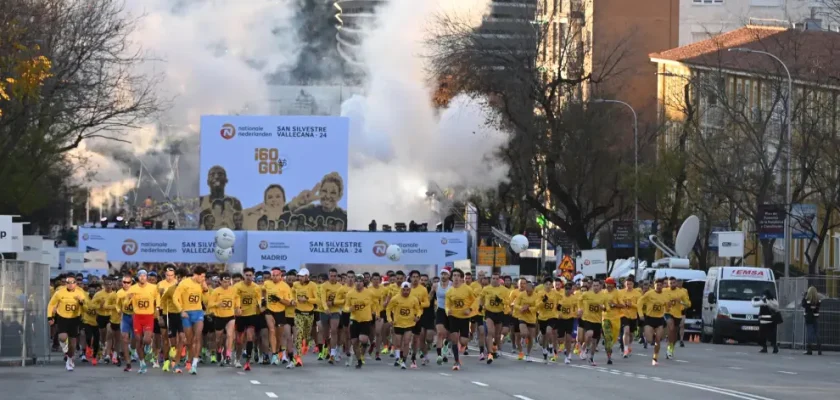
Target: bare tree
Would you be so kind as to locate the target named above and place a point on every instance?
(94, 90)
(566, 163)
(741, 142)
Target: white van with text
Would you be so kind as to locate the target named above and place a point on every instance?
(727, 309)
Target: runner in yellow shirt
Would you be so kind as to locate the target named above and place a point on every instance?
(333, 297)
(187, 300)
(418, 332)
(65, 310)
(547, 318)
(247, 317)
(306, 297)
(676, 310)
(360, 302)
(630, 315)
(493, 300)
(652, 307)
(404, 311)
(378, 291)
(278, 295)
(612, 317)
(593, 303)
(568, 311)
(459, 302)
(525, 311)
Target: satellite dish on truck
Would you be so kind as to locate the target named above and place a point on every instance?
(686, 237)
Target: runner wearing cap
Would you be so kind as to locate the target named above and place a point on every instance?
(441, 319)
(305, 296)
(404, 311)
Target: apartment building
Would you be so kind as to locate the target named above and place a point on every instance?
(700, 19)
(732, 92)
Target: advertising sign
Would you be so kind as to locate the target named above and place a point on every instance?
(147, 245)
(622, 234)
(730, 244)
(492, 255)
(285, 249)
(771, 221)
(274, 173)
(803, 221)
(269, 249)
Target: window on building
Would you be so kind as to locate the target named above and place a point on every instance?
(836, 262)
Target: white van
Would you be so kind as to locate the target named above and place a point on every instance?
(727, 309)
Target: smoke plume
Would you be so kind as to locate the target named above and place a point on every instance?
(399, 141)
(214, 57)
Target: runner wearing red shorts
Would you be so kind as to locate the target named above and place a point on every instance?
(145, 299)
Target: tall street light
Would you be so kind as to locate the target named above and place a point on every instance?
(636, 180)
(788, 195)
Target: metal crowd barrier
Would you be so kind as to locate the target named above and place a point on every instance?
(24, 330)
(791, 332)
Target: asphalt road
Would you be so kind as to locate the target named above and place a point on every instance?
(700, 372)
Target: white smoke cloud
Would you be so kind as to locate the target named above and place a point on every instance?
(399, 141)
(213, 57)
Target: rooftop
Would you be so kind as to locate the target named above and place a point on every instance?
(811, 55)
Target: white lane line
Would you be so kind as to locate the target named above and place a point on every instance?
(682, 361)
(736, 368)
(616, 373)
(788, 373)
(255, 382)
(744, 396)
(445, 374)
(615, 370)
(241, 373)
(521, 397)
(642, 354)
(788, 358)
(271, 394)
(728, 392)
(741, 353)
(642, 376)
(480, 384)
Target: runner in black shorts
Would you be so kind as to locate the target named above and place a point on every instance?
(654, 303)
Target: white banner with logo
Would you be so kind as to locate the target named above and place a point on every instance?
(270, 249)
(290, 249)
(78, 261)
(730, 244)
(6, 231)
(152, 245)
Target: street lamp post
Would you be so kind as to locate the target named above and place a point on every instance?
(788, 195)
(636, 180)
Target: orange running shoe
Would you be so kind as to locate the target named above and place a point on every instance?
(89, 352)
(298, 361)
(93, 361)
(189, 366)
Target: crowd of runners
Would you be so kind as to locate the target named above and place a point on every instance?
(185, 318)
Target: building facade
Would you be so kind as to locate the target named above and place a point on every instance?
(728, 95)
(700, 19)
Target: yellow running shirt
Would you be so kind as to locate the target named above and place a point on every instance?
(360, 304)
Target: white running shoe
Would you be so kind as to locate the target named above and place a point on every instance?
(68, 365)
(237, 364)
(567, 360)
(155, 364)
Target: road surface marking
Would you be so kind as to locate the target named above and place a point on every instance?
(713, 389)
(615, 370)
(241, 373)
(735, 368)
(521, 397)
(445, 374)
(789, 358)
(728, 392)
(682, 361)
(642, 354)
(271, 394)
(788, 372)
(255, 382)
(480, 384)
(741, 353)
